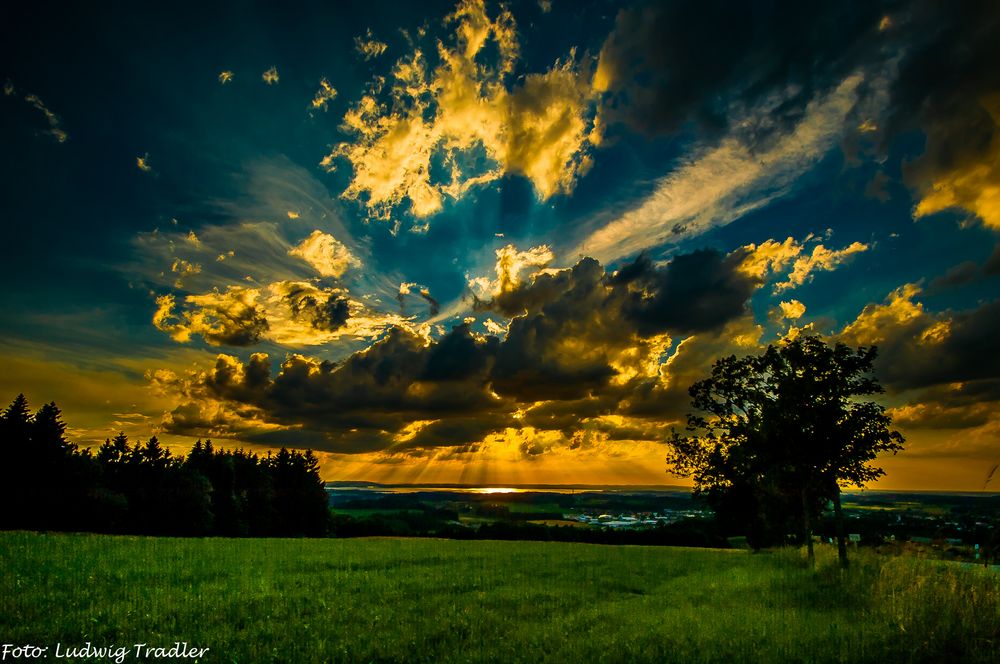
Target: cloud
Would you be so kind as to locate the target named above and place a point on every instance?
(419, 145)
(585, 351)
(291, 313)
(946, 89)
(324, 95)
(965, 272)
(270, 76)
(369, 47)
(225, 77)
(992, 265)
(228, 318)
(142, 163)
(55, 127)
(376, 393)
(773, 258)
(770, 256)
(919, 349)
(405, 288)
(719, 184)
(666, 65)
(328, 256)
(747, 89)
(972, 184)
(512, 266)
(792, 310)
(821, 259)
(183, 269)
(934, 415)
(575, 332)
(695, 292)
(253, 233)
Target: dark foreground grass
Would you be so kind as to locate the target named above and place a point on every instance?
(400, 600)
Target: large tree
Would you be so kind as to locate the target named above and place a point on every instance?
(778, 433)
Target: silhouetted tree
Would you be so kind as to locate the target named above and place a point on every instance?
(300, 499)
(15, 425)
(44, 476)
(46, 482)
(787, 424)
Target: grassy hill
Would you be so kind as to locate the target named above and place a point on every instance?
(388, 600)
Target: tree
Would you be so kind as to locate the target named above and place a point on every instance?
(15, 434)
(784, 430)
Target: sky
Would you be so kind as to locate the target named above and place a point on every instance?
(493, 243)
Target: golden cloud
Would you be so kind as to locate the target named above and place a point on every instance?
(183, 269)
(270, 76)
(293, 313)
(878, 322)
(769, 256)
(821, 259)
(368, 46)
(541, 129)
(773, 257)
(327, 255)
(324, 95)
(230, 317)
(512, 267)
(792, 310)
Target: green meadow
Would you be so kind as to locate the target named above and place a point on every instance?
(424, 600)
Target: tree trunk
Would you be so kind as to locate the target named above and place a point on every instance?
(807, 529)
(841, 538)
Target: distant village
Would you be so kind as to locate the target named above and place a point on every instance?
(952, 526)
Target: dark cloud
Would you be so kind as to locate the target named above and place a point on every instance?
(932, 416)
(434, 307)
(574, 324)
(325, 311)
(960, 406)
(362, 403)
(992, 264)
(966, 272)
(458, 430)
(566, 415)
(673, 63)
(749, 70)
(960, 274)
(947, 69)
(909, 358)
(576, 331)
(695, 292)
(460, 356)
(561, 346)
(876, 187)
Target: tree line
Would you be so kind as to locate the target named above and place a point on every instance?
(49, 483)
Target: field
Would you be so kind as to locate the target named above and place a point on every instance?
(389, 600)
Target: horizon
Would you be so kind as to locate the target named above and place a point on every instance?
(467, 242)
(664, 488)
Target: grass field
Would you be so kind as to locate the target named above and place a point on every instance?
(389, 600)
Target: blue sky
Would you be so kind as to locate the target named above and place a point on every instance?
(495, 243)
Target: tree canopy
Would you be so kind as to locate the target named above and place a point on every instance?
(775, 435)
(47, 483)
